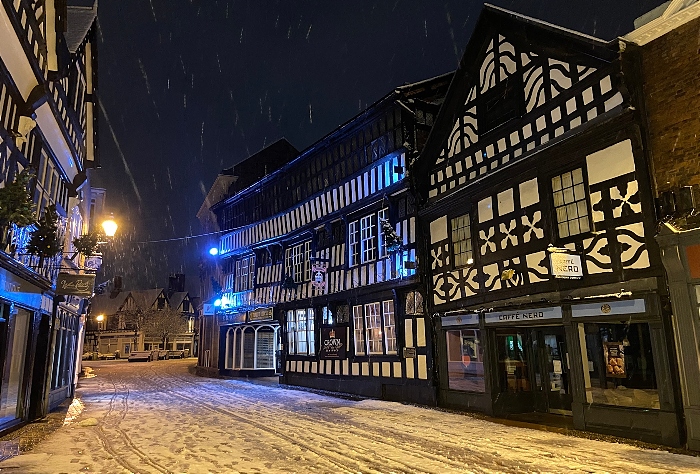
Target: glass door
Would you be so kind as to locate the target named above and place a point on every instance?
(553, 365)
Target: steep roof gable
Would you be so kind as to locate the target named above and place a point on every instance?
(515, 67)
(105, 304)
(145, 299)
(177, 298)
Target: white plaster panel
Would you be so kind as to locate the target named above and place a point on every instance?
(610, 162)
(420, 332)
(506, 204)
(485, 208)
(438, 229)
(529, 193)
(422, 367)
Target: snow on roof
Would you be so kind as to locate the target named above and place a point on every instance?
(105, 304)
(177, 298)
(144, 299)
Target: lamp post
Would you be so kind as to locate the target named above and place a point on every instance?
(96, 353)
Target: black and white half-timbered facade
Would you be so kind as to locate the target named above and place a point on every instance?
(326, 246)
(545, 281)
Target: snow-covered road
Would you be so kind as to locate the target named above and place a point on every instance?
(157, 418)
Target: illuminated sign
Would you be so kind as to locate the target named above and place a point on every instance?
(78, 285)
(523, 315)
(566, 265)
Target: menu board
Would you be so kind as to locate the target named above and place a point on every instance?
(614, 353)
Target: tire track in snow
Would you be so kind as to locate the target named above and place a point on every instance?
(111, 445)
(369, 455)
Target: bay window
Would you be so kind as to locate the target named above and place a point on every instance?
(245, 273)
(297, 262)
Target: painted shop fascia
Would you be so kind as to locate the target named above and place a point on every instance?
(536, 159)
(334, 255)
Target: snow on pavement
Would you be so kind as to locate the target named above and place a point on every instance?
(157, 418)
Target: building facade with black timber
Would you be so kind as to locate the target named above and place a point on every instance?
(546, 285)
(47, 125)
(327, 251)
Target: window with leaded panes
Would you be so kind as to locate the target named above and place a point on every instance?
(461, 241)
(245, 271)
(414, 303)
(571, 203)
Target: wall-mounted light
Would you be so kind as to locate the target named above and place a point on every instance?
(213, 251)
(110, 227)
(217, 302)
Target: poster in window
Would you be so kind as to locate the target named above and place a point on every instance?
(333, 343)
(614, 359)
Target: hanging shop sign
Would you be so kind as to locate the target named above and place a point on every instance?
(93, 263)
(318, 273)
(460, 319)
(262, 314)
(333, 343)
(566, 265)
(523, 315)
(78, 285)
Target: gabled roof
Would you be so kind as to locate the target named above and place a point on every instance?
(105, 304)
(145, 299)
(177, 298)
(547, 40)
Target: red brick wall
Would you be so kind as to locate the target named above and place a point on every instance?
(671, 68)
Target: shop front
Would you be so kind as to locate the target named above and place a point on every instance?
(603, 366)
(250, 344)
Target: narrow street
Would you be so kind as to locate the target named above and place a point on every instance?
(157, 418)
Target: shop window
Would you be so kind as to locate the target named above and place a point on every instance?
(414, 303)
(512, 362)
(465, 360)
(461, 241)
(300, 332)
(620, 365)
(570, 203)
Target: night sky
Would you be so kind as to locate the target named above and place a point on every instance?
(189, 87)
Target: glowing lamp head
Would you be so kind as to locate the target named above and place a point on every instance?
(217, 302)
(100, 318)
(213, 251)
(110, 227)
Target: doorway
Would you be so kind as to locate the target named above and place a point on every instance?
(533, 371)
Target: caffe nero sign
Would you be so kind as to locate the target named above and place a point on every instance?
(333, 343)
(77, 285)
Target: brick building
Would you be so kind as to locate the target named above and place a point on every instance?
(665, 52)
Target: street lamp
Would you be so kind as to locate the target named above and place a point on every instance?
(110, 227)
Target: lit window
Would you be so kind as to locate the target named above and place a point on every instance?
(358, 330)
(461, 241)
(373, 323)
(389, 326)
(300, 332)
(365, 239)
(570, 203)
